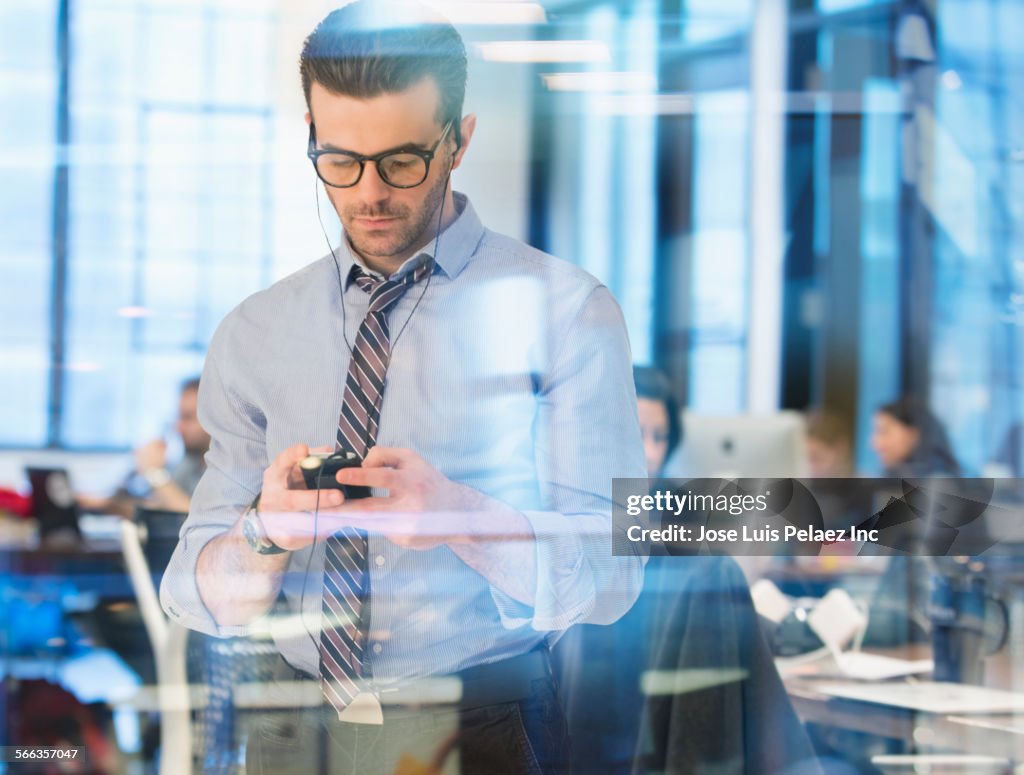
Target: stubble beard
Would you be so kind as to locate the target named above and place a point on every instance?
(414, 230)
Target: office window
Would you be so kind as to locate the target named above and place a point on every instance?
(720, 293)
(973, 142)
(879, 349)
(602, 171)
(168, 206)
(28, 92)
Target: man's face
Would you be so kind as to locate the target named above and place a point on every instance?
(195, 440)
(382, 222)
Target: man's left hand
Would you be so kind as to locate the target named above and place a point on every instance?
(423, 507)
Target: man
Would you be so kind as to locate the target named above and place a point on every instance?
(166, 488)
(484, 386)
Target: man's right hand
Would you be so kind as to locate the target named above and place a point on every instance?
(286, 507)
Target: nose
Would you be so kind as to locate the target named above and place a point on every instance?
(371, 185)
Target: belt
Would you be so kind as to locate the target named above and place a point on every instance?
(494, 683)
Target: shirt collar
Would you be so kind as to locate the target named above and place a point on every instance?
(455, 247)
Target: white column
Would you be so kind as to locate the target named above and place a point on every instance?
(768, 52)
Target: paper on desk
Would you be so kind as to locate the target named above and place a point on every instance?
(1012, 724)
(928, 696)
(874, 667)
(824, 663)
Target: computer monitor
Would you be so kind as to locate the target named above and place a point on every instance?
(749, 446)
(53, 501)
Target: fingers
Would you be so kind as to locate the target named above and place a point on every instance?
(391, 457)
(387, 478)
(284, 489)
(306, 500)
(289, 457)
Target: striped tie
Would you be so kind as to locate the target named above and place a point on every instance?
(346, 583)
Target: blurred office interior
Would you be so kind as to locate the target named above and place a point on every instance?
(800, 205)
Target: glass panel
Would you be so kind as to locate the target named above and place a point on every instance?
(720, 264)
(28, 90)
(169, 201)
(974, 197)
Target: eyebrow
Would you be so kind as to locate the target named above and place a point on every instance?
(394, 149)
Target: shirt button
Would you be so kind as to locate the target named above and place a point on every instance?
(377, 648)
(379, 559)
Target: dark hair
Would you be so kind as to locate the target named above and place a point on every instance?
(933, 454)
(652, 384)
(192, 383)
(374, 47)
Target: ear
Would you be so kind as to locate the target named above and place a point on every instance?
(309, 118)
(466, 127)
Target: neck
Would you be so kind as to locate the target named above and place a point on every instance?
(388, 265)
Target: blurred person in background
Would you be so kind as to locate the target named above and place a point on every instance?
(909, 440)
(829, 448)
(156, 482)
(829, 455)
(660, 421)
(693, 612)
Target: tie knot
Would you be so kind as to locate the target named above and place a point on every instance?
(384, 294)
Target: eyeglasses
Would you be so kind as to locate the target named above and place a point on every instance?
(405, 168)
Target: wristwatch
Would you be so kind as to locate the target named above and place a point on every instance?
(156, 477)
(254, 533)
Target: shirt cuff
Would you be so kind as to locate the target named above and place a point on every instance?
(565, 593)
(179, 590)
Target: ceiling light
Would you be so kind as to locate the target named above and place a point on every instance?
(600, 82)
(544, 51)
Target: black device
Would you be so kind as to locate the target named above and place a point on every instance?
(53, 503)
(320, 468)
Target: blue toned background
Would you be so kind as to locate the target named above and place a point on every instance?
(796, 204)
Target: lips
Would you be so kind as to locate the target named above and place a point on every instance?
(375, 223)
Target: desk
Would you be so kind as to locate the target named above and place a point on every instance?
(1000, 735)
(58, 600)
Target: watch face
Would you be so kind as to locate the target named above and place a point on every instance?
(249, 531)
(254, 536)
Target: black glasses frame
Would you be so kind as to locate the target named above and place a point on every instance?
(427, 155)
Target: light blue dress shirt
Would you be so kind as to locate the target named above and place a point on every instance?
(510, 373)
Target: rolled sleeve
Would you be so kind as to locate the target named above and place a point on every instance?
(587, 433)
(565, 593)
(179, 591)
(234, 466)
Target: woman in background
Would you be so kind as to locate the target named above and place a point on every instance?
(694, 614)
(910, 441)
(660, 422)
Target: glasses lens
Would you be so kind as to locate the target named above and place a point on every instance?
(403, 169)
(337, 169)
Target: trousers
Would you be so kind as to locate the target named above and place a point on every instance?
(527, 736)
